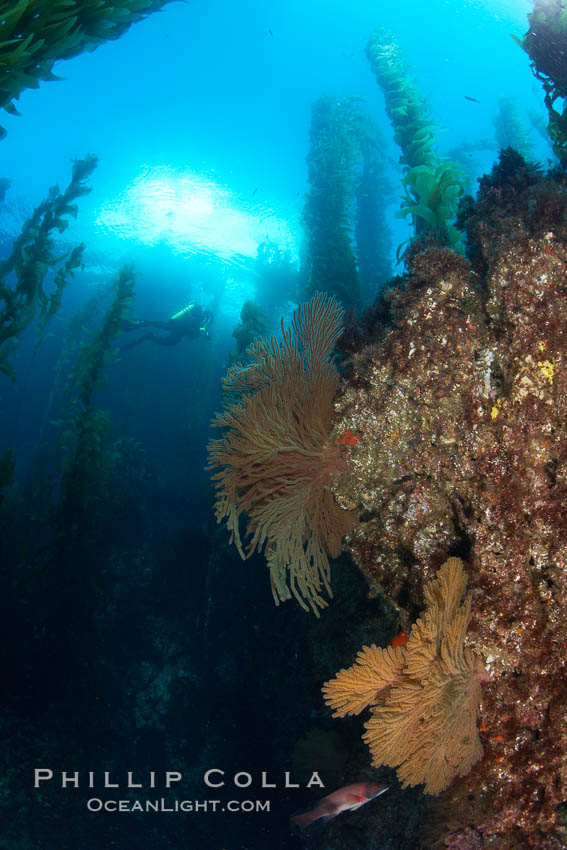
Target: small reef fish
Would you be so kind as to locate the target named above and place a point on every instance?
(400, 639)
(473, 99)
(347, 799)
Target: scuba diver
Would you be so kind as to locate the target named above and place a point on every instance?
(190, 322)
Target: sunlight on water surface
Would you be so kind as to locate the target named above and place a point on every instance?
(193, 214)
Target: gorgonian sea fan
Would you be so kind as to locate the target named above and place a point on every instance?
(424, 696)
(275, 459)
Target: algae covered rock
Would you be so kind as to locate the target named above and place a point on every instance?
(459, 405)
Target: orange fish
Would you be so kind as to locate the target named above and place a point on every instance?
(347, 799)
(400, 639)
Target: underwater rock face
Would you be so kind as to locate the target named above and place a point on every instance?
(460, 409)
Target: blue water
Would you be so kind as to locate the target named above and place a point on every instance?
(200, 118)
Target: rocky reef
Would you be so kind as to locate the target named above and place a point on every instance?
(456, 402)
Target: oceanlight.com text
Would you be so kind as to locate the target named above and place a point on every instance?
(95, 804)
